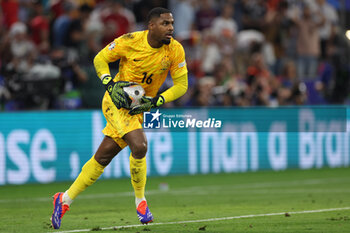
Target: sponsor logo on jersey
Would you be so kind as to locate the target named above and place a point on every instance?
(111, 46)
(182, 64)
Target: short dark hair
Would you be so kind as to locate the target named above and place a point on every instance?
(156, 12)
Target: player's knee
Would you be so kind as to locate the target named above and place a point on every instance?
(139, 150)
(104, 159)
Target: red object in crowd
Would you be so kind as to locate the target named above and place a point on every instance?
(57, 8)
(255, 71)
(38, 25)
(10, 12)
(119, 23)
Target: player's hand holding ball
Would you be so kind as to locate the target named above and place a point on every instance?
(119, 98)
(116, 92)
(146, 104)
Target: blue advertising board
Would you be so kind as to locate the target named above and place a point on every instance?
(53, 146)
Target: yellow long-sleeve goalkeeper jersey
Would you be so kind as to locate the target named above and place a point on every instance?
(148, 66)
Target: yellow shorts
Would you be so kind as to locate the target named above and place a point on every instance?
(119, 121)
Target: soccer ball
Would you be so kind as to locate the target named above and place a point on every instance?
(134, 94)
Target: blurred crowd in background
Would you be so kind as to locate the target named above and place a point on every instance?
(238, 52)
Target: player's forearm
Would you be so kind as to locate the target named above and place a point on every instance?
(176, 91)
(102, 70)
(101, 65)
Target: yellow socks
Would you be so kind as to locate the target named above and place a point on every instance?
(138, 172)
(90, 172)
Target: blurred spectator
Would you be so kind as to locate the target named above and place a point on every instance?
(79, 36)
(39, 26)
(330, 23)
(26, 80)
(202, 95)
(248, 39)
(56, 8)
(117, 21)
(277, 31)
(308, 42)
(184, 14)
(225, 71)
(258, 80)
(225, 29)
(5, 50)
(205, 15)
(254, 14)
(230, 86)
(72, 75)
(93, 34)
(248, 42)
(62, 23)
(288, 83)
(75, 32)
(210, 52)
(299, 94)
(25, 10)
(337, 61)
(21, 47)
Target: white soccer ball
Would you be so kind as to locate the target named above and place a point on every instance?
(134, 94)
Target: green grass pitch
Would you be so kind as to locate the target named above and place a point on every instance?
(241, 202)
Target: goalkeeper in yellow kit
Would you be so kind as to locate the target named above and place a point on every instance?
(146, 57)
